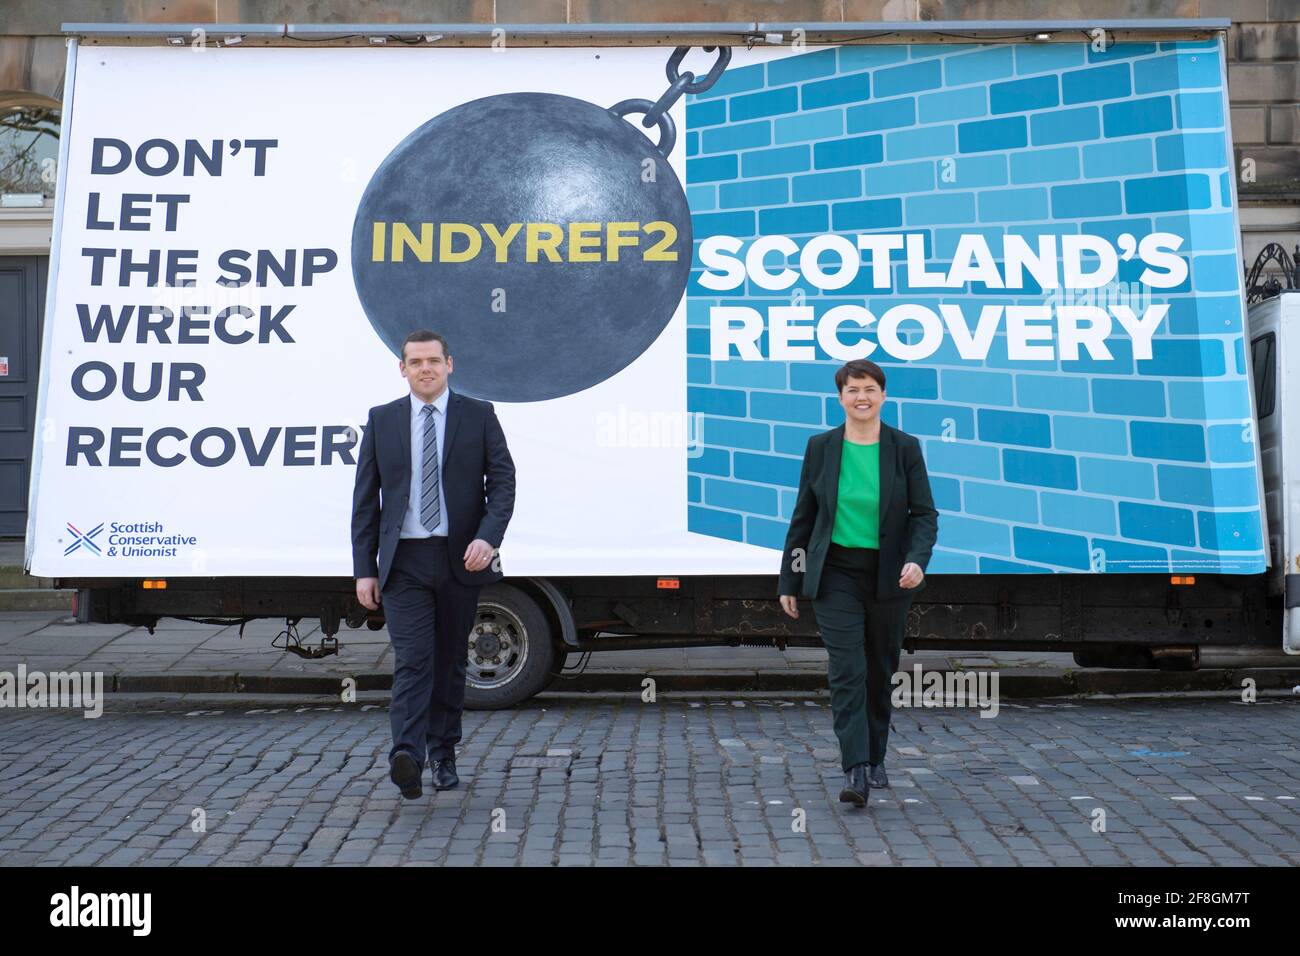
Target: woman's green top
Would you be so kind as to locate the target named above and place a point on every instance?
(857, 507)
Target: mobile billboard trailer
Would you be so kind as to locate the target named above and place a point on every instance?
(651, 259)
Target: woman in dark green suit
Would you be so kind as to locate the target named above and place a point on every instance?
(860, 538)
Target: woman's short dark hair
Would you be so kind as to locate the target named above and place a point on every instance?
(425, 335)
(859, 368)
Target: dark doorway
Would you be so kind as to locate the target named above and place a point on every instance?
(22, 312)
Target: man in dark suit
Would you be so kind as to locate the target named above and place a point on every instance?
(435, 488)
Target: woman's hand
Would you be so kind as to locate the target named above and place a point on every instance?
(790, 604)
(912, 575)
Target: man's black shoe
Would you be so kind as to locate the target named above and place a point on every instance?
(405, 772)
(876, 776)
(856, 788)
(444, 774)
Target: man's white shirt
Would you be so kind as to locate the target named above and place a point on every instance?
(411, 526)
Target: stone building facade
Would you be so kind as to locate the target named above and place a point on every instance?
(1263, 50)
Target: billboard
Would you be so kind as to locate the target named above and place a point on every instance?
(1036, 242)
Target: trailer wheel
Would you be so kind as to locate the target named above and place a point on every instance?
(511, 650)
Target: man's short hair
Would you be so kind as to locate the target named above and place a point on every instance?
(859, 368)
(425, 335)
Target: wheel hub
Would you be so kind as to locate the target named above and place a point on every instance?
(498, 647)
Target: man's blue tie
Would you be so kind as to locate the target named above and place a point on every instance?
(430, 507)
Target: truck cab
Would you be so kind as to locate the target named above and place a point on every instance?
(1276, 377)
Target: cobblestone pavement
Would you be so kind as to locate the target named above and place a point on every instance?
(710, 780)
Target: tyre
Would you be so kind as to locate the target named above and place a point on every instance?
(511, 649)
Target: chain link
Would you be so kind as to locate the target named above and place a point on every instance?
(656, 113)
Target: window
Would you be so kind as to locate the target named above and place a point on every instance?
(1264, 369)
(29, 149)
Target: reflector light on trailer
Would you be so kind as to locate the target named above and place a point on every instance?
(1183, 579)
(669, 583)
(150, 584)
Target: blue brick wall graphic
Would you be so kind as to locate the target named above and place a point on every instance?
(1036, 466)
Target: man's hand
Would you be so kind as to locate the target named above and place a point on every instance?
(368, 592)
(790, 604)
(911, 576)
(478, 555)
